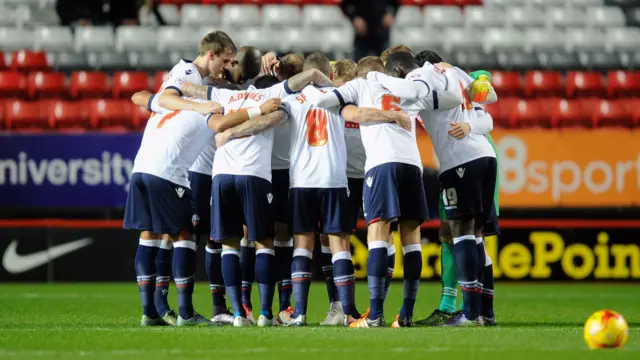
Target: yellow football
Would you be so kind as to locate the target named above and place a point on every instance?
(606, 329)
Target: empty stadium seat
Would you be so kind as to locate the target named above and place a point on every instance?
(69, 115)
(546, 3)
(21, 114)
(613, 113)
(86, 84)
(108, 61)
(623, 83)
(544, 39)
(27, 60)
(68, 61)
(604, 17)
(558, 60)
(140, 117)
(502, 110)
(474, 60)
(150, 61)
(571, 113)
(170, 14)
(599, 60)
(461, 39)
(14, 17)
(322, 16)
(126, 83)
(564, 17)
(408, 16)
(111, 114)
(529, 113)
(415, 38)
(584, 3)
(302, 39)
(12, 84)
(43, 16)
(94, 38)
(627, 39)
(46, 84)
(237, 16)
(525, 16)
(507, 83)
(335, 40)
(197, 15)
(3, 63)
(545, 83)
(135, 38)
(517, 60)
(633, 16)
(483, 16)
(54, 39)
(505, 2)
(172, 38)
(584, 84)
(585, 40)
(280, 16)
(503, 39)
(442, 16)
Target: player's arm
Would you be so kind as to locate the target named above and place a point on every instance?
(253, 126)
(481, 124)
(402, 88)
(300, 81)
(220, 123)
(360, 115)
(148, 101)
(349, 93)
(171, 99)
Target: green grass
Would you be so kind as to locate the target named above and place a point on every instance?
(99, 321)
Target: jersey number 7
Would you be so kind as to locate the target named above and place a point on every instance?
(317, 134)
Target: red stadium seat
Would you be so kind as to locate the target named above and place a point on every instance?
(127, 83)
(463, 2)
(3, 63)
(44, 84)
(85, 84)
(27, 60)
(545, 83)
(585, 84)
(27, 114)
(613, 113)
(501, 111)
(159, 78)
(623, 83)
(530, 113)
(69, 115)
(507, 83)
(140, 117)
(571, 113)
(109, 114)
(12, 84)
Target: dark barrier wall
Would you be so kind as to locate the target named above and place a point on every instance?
(68, 250)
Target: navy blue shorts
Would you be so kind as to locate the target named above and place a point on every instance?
(394, 191)
(355, 201)
(201, 189)
(158, 205)
(468, 190)
(280, 204)
(238, 200)
(320, 210)
(491, 226)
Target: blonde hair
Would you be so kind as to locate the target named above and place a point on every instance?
(345, 69)
(369, 63)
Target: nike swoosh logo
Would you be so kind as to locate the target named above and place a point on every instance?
(15, 263)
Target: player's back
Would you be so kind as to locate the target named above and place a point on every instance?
(249, 155)
(171, 143)
(450, 151)
(318, 152)
(383, 142)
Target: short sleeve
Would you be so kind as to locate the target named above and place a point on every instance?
(180, 75)
(221, 96)
(278, 91)
(350, 92)
(153, 105)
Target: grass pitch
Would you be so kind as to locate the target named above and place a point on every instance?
(99, 321)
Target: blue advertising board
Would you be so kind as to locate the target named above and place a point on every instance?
(66, 170)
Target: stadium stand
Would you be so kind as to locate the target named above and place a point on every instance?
(551, 59)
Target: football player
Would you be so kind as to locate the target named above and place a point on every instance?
(241, 192)
(393, 191)
(467, 173)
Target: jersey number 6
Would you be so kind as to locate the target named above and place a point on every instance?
(317, 134)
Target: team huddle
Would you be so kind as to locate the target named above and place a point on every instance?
(256, 156)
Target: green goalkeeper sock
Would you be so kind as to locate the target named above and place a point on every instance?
(462, 305)
(476, 74)
(449, 279)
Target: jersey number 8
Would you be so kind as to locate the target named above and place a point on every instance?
(317, 134)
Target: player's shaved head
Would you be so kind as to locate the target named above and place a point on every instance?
(399, 64)
(290, 65)
(385, 54)
(249, 61)
(368, 64)
(344, 70)
(429, 56)
(319, 61)
(265, 81)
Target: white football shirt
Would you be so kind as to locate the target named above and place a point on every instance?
(250, 155)
(171, 143)
(356, 156)
(383, 142)
(281, 146)
(318, 151)
(450, 151)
